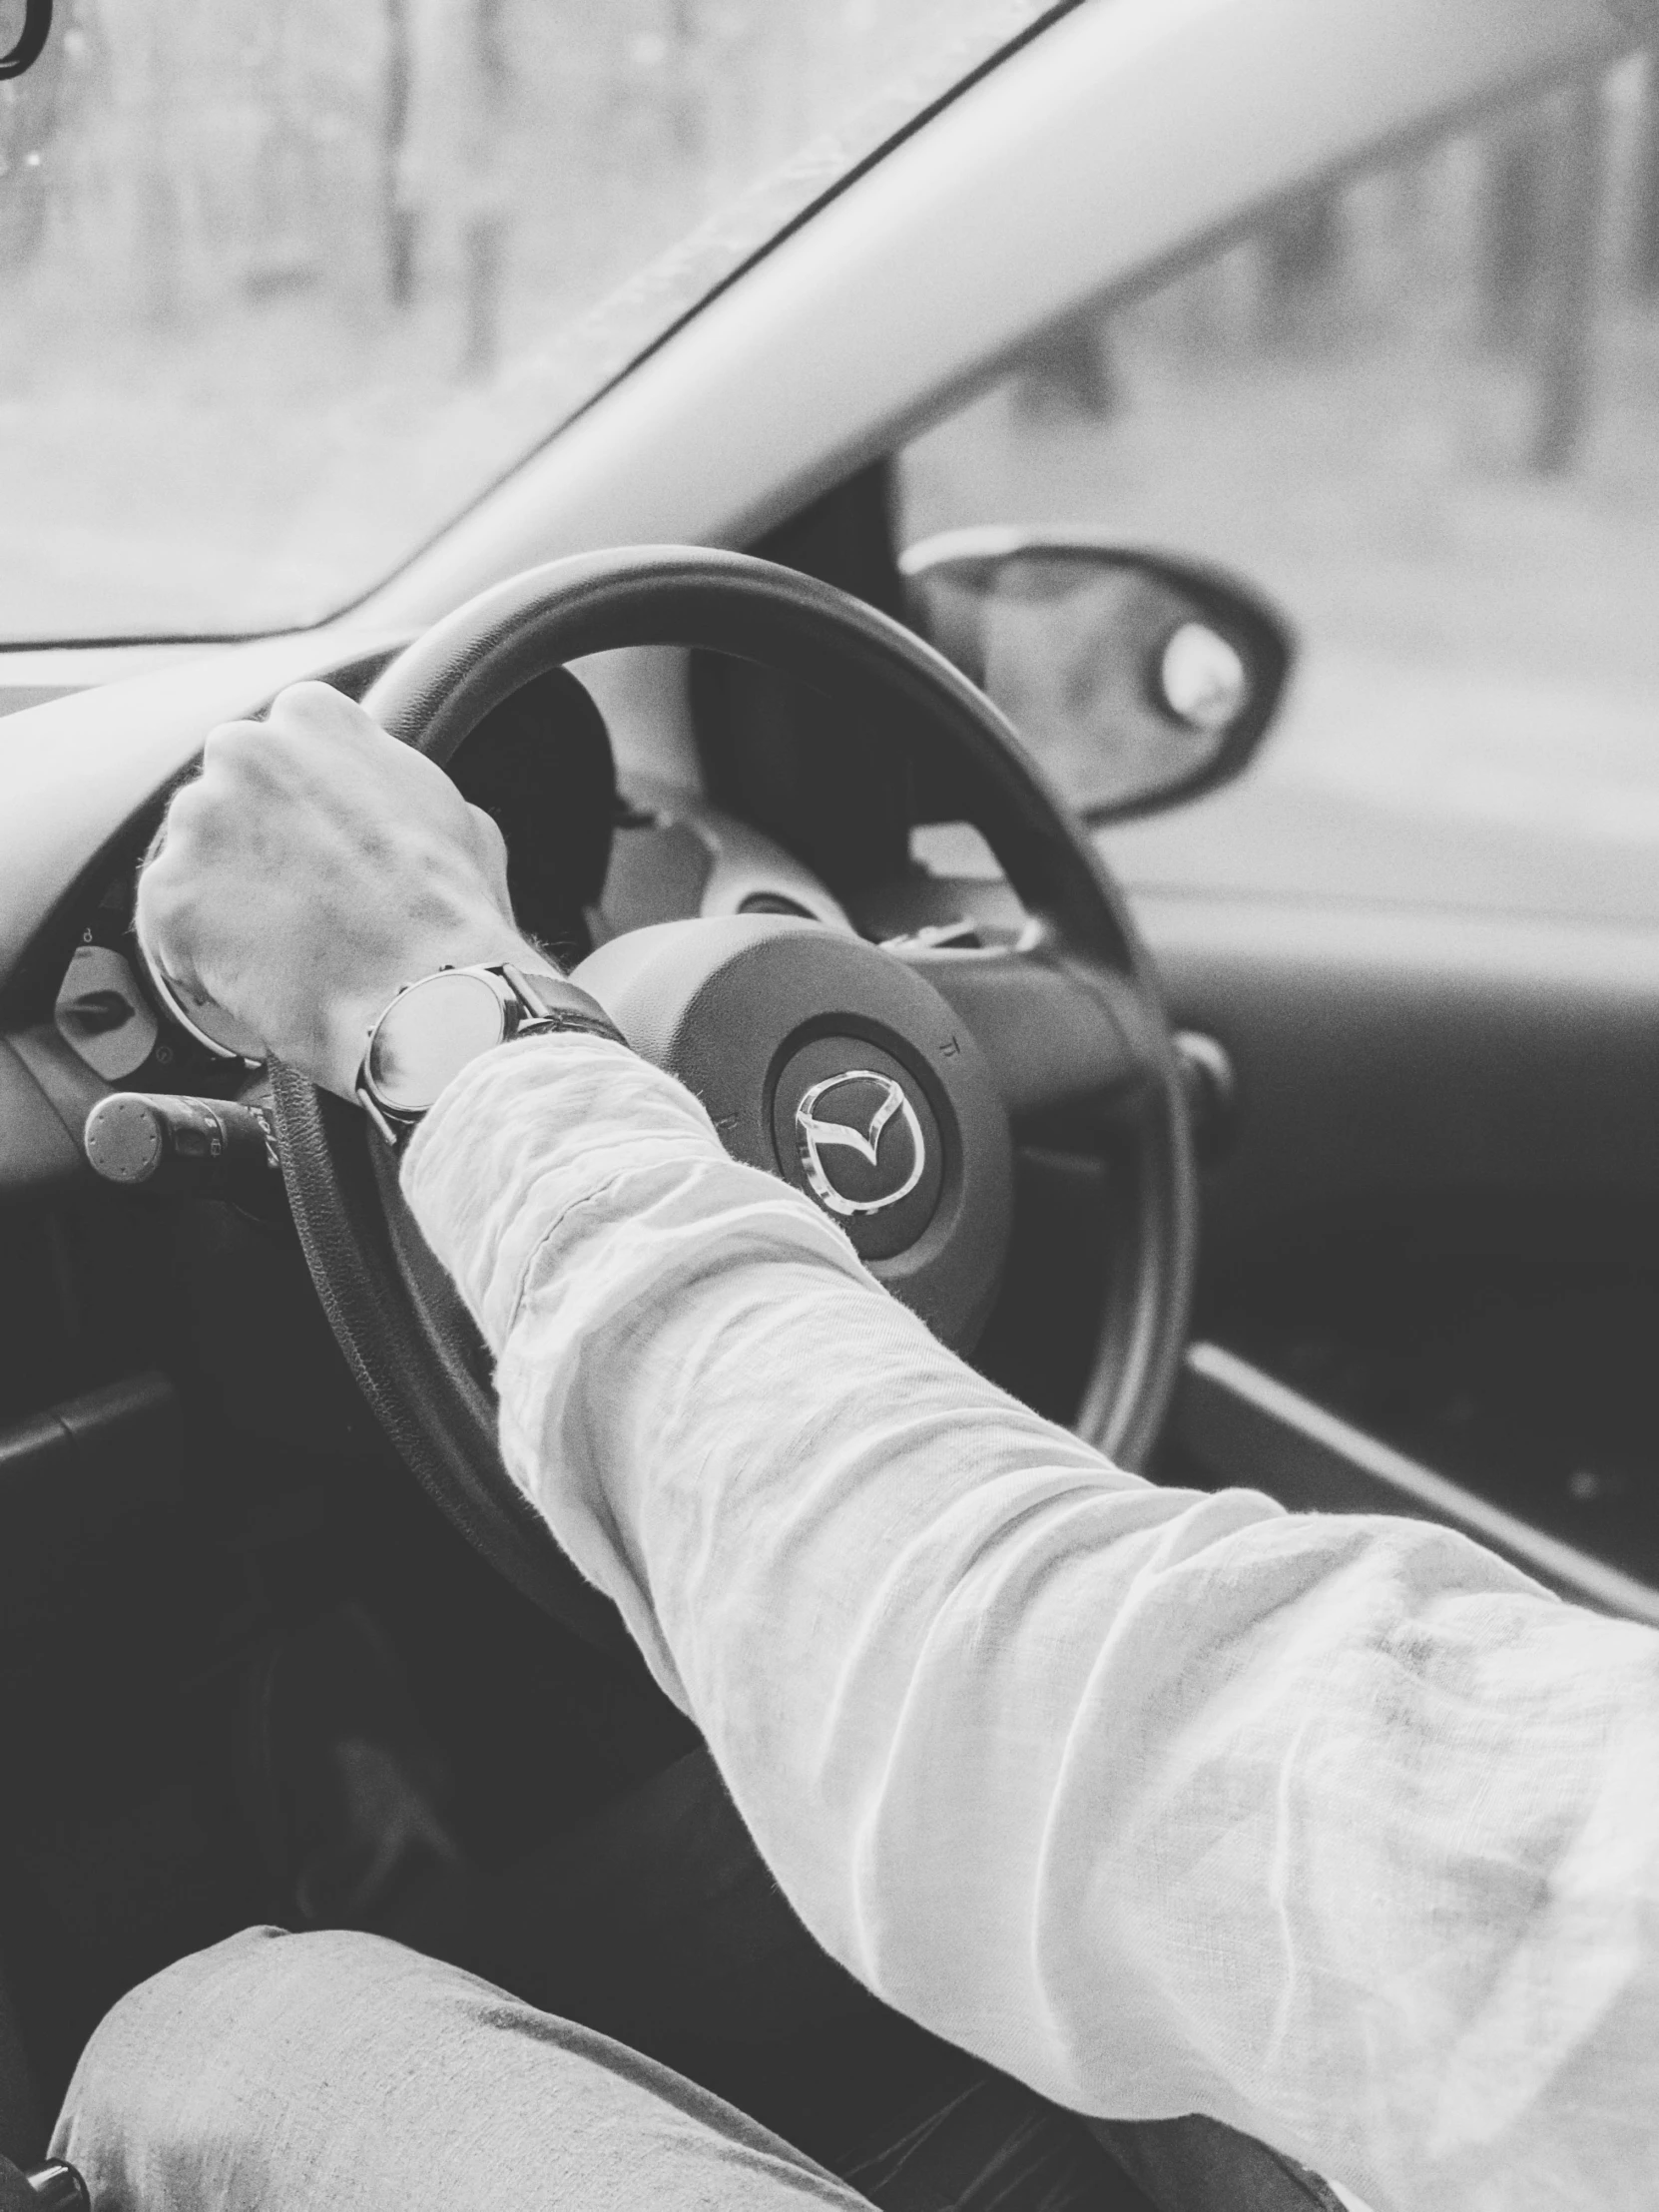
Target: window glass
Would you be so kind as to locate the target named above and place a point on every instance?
(285, 284)
(1421, 409)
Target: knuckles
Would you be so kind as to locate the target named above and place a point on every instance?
(167, 906)
(195, 826)
(199, 832)
(235, 754)
(487, 837)
(188, 815)
(315, 709)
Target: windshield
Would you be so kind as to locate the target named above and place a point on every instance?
(285, 284)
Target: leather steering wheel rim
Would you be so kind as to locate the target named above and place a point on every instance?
(398, 1320)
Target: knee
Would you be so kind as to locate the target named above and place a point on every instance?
(177, 2088)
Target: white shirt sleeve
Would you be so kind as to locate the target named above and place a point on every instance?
(1334, 1828)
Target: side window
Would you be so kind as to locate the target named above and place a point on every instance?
(1421, 410)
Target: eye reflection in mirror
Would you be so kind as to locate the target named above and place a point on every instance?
(1134, 677)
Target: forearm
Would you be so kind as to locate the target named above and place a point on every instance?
(1165, 1802)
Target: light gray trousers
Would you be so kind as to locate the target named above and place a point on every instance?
(340, 2072)
(337, 2072)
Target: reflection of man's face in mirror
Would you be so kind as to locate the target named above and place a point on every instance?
(1070, 654)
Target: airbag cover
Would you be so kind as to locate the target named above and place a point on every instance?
(903, 1139)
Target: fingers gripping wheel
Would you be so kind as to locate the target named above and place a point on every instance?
(880, 1085)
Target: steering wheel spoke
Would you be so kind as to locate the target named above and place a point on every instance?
(1067, 1039)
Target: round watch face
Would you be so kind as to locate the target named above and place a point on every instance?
(428, 1034)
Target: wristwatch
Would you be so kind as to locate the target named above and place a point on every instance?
(434, 1026)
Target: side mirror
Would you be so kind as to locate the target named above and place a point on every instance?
(1136, 679)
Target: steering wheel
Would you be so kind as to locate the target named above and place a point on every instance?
(882, 1081)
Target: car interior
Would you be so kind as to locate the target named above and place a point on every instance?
(1396, 1232)
(1403, 1257)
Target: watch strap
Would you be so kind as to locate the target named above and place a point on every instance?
(553, 1003)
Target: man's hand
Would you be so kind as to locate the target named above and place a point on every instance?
(315, 866)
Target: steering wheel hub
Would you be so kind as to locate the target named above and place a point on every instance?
(867, 1147)
(833, 1064)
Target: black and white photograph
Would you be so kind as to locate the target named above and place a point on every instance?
(830, 1105)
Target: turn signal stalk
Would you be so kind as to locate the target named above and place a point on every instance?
(184, 1147)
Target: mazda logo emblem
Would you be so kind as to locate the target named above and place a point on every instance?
(839, 1127)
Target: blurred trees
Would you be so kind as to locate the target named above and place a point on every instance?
(396, 218)
(1645, 250)
(1516, 222)
(477, 158)
(481, 168)
(1302, 258)
(1566, 350)
(483, 77)
(1069, 370)
(340, 261)
(1529, 235)
(32, 108)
